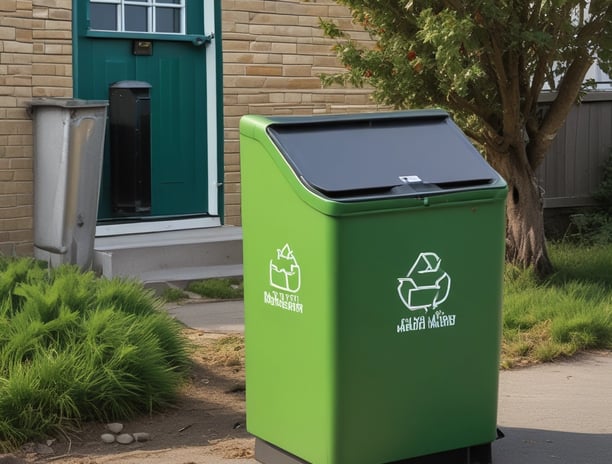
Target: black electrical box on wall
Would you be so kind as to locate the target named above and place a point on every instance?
(130, 147)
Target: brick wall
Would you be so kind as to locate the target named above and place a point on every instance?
(35, 61)
(273, 53)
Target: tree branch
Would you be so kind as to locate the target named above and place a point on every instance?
(479, 110)
(512, 107)
(537, 83)
(559, 109)
(508, 84)
(569, 88)
(543, 61)
(497, 61)
(456, 5)
(477, 137)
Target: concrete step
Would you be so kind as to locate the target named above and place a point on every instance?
(174, 256)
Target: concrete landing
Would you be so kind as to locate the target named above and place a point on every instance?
(175, 257)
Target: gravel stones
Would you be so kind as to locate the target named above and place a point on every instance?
(108, 437)
(141, 436)
(123, 438)
(114, 427)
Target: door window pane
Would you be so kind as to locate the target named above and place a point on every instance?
(103, 17)
(167, 20)
(136, 18)
(154, 16)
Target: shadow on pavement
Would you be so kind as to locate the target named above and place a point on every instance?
(530, 446)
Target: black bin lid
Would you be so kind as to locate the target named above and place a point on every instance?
(408, 153)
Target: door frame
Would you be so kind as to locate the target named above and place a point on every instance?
(214, 114)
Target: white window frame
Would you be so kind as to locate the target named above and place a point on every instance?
(152, 6)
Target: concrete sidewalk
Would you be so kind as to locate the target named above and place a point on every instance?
(221, 316)
(557, 413)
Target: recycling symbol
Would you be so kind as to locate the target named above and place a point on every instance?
(426, 286)
(285, 271)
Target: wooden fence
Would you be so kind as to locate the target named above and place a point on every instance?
(572, 170)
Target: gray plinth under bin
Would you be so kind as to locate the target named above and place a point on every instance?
(68, 151)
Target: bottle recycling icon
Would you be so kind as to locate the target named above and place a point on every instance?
(285, 273)
(426, 286)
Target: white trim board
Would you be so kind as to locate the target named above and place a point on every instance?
(156, 226)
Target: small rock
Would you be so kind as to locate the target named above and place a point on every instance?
(29, 447)
(41, 448)
(10, 459)
(107, 437)
(141, 436)
(125, 438)
(115, 427)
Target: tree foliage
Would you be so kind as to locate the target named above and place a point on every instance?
(465, 55)
(486, 62)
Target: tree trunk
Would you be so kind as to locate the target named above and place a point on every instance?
(525, 239)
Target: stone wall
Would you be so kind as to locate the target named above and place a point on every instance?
(273, 54)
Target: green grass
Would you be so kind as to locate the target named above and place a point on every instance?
(173, 294)
(570, 311)
(76, 348)
(224, 288)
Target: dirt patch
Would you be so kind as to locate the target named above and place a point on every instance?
(207, 422)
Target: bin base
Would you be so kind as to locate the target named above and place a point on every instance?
(267, 453)
(54, 259)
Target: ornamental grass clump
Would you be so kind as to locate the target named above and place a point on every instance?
(75, 348)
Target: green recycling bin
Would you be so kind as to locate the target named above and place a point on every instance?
(373, 265)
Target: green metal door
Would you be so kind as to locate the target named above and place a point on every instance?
(162, 43)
